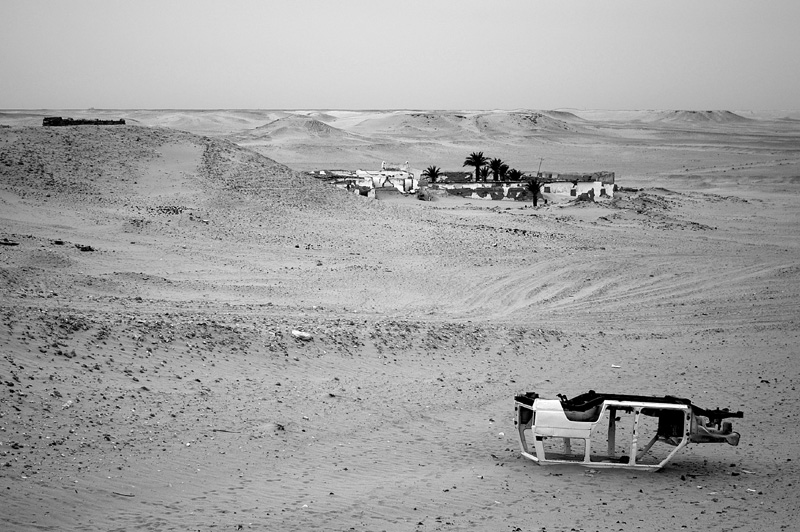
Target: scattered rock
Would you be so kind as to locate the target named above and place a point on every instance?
(301, 335)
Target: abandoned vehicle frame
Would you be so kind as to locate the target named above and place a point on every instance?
(610, 430)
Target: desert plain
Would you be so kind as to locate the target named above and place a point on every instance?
(153, 276)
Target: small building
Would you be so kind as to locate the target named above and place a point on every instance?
(401, 177)
(584, 185)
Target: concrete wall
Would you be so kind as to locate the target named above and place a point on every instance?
(587, 188)
(519, 191)
(602, 176)
(492, 191)
(558, 187)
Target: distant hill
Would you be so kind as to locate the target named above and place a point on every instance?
(292, 128)
(523, 123)
(465, 124)
(564, 115)
(413, 124)
(699, 117)
(302, 126)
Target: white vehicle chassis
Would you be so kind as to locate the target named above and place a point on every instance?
(588, 421)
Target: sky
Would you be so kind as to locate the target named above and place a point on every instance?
(401, 54)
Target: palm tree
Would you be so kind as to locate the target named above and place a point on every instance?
(477, 160)
(535, 186)
(484, 173)
(494, 166)
(514, 175)
(499, 169)
(433, 173)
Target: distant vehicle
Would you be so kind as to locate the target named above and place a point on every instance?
(58, 121)
(606, 430)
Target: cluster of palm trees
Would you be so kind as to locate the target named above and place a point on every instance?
(484, 167)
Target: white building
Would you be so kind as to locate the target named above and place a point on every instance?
(401, 177)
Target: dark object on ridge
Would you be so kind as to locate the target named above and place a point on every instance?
(58, 121)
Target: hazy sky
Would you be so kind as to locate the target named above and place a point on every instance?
(421, 54)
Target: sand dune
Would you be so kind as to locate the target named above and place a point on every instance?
(522, 123)
(298, 128)
(405, 124)
(152, 379)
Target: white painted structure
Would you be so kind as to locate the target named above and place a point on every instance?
(401, 177)
(593, 185)
(566, 188)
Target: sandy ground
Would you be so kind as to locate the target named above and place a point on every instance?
(152, 381)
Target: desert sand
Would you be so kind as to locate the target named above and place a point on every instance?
(153, 379)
